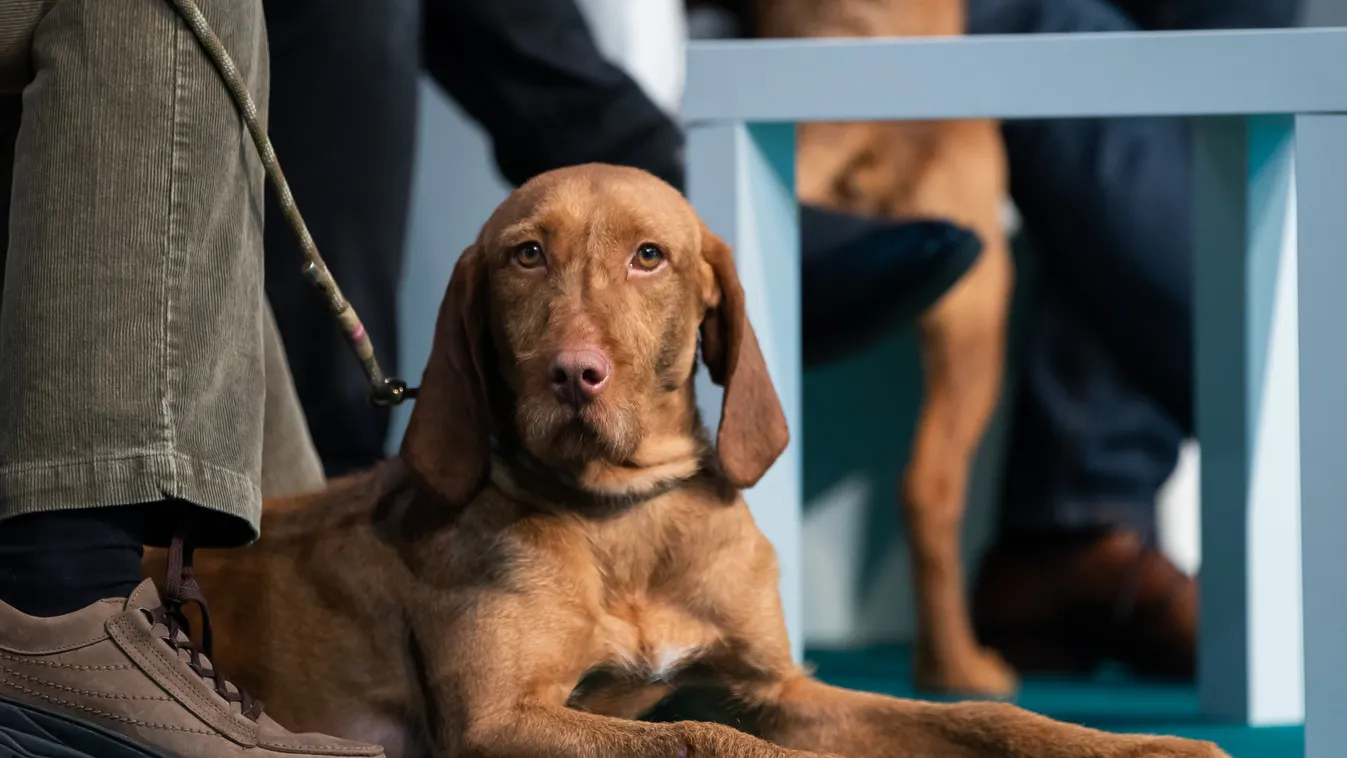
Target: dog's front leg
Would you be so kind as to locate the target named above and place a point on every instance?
(534, 730)
(805, 714)
(497, 677)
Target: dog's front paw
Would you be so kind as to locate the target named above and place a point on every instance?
(1167, 747)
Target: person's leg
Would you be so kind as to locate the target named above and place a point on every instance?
(343, 118)
(1108, 202)
(290, 462)
(131, 318)
(1090, 450)
(132, 325)
(1074, 576)
(1104, 399)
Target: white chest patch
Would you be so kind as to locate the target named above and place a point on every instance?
(656, 663)
(654, 644)
(665, 660)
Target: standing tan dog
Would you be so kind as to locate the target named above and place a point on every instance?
(559, 547)
(954, 170)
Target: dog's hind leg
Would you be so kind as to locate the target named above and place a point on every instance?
(962, 342)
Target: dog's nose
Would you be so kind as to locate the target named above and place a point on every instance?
(578, 376)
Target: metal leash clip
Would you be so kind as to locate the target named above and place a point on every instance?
(391, 392)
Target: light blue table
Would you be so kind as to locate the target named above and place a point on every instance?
(1274, 108)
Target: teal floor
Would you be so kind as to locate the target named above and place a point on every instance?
(1107, 701)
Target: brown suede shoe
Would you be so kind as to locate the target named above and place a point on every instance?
(1065, 606)
(126, 665)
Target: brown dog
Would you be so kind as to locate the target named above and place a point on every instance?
(559, 546)
(954, 170)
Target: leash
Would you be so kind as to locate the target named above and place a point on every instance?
(384, 391)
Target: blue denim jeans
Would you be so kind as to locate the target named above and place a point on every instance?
(1106, 394)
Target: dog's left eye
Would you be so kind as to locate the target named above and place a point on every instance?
(648, 257)
(528, 255)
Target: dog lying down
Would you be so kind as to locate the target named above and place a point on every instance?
(559, 546)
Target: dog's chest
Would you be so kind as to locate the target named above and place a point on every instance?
(651, 641)
(640, 655)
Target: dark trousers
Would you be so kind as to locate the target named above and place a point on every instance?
(1106, 394)
(343, 119)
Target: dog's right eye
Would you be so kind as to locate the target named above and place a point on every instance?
(529, 255)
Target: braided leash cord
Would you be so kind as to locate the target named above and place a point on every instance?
(383, 390)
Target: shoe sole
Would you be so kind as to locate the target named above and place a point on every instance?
(30, 732)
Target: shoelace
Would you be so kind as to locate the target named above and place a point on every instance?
(180, 589)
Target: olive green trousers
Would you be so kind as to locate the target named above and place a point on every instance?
(139, 361)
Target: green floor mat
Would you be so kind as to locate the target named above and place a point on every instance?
(1108, 700)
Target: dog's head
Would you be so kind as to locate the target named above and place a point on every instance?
(571, 328)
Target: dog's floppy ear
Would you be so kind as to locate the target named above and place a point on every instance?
(752, 425)
(447, 438)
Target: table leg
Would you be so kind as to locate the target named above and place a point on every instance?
(1250, 664)
(742, 182)
(1321, 165)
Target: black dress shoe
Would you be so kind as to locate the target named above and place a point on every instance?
(863, 277)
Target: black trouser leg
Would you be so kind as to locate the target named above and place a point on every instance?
(1106, 396)
(343, 118)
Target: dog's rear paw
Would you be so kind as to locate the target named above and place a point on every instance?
(981, 674)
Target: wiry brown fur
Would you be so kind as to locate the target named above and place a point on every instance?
(953, 170)
(537, 615)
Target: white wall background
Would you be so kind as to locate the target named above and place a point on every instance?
(857, 587)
